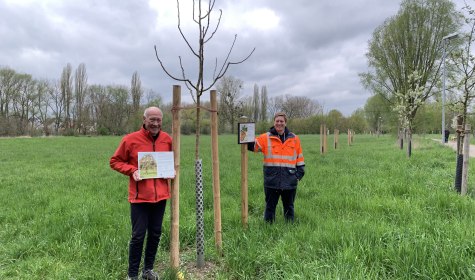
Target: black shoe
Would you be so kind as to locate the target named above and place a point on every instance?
(149, 275)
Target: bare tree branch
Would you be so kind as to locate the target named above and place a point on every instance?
(179, 27)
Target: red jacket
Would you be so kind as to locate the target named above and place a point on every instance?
(125, 161)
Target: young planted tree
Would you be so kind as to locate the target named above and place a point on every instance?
(407, 105)
(463, 62)
(202, 17)
(408, 43)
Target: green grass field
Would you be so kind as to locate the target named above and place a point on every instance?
(362, 212)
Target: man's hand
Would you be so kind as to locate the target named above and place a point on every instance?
(136, 175)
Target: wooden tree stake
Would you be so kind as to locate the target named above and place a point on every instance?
(175, 205)
(216, 183)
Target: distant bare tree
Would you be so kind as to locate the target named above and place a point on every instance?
(42, 103)
(9, 83)
(153, 99)
(66, 92)
(22, 102)
(56, 105)
(275, 105)
(229, 90)
(299, 106)
(136, 92)
(264, 102)
(80, 88)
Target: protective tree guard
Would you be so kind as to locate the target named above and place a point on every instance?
(200, 228)
(466, 156)
(458, 169)
(458, 173)
(336, 134)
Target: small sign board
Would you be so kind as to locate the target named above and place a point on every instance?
(246, 132)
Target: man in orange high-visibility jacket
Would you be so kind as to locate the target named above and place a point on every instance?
(284, 166)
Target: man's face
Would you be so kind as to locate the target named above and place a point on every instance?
(153, 121)
(279, 124)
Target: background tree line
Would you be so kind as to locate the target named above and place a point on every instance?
(70, 106)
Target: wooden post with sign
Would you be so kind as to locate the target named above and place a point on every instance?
(216, 184)
(244, 190)
(175, 199)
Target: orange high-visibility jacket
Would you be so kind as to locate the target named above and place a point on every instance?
(283, 159)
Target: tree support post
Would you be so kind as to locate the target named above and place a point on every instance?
(216, 183)
(336, 134)
(244, 190)
(175, 199)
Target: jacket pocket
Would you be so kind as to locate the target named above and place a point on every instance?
(291, 178)
(271, 175)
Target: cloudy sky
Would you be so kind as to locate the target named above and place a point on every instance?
(313, 48)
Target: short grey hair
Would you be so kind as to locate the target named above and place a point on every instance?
(146, 112)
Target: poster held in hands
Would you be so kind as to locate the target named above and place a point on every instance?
(156, 165)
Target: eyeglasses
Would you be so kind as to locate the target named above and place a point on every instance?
(154, 120)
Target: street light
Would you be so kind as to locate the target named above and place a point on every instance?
(445, 42)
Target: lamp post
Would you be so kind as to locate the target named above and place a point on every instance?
(445, 42)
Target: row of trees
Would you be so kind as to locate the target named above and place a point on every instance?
(68, 106)
(406, 62)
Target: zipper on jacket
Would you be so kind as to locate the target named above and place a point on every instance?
(136, 189)
(154, 179)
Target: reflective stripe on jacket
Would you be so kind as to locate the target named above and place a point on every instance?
(283, 159)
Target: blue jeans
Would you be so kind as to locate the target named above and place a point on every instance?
(147, 219)
(272, 198)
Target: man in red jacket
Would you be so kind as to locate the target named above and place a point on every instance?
(147, 197)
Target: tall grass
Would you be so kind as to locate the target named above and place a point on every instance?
(362, 212)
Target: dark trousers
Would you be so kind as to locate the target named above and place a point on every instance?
(272, 198)
(147, 219)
